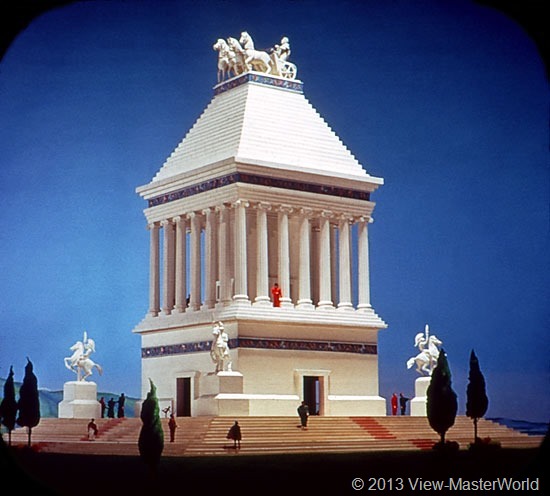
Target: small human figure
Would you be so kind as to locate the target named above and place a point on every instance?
(111, 408)
(394, 404)
(92, 430)
(165, 411)
(277, 295)
(303, 412)
(120, 409)
(103, 406)
(235, 434)
(172, 426)
(283, 50)
(403, 403)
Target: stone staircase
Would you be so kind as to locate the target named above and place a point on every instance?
(206, 436)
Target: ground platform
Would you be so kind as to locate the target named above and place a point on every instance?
(206, 436)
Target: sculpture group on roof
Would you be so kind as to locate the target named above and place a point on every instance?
(236, 57)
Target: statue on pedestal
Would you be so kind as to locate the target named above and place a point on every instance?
(426, 360)
(219, 351)
(80, 362)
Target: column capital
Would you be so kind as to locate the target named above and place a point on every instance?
(240, 203)
(285, 209)
(306, 212)
(192, 215)
(166, 222)
(263, 206)
(327, 214)
(221, 208)
(152, 225)
(345, 218)
(365, 218)
(178, 218)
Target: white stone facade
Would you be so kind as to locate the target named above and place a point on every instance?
(261, 191)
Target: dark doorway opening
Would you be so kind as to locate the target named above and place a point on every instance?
(183, 397)
(312, 394)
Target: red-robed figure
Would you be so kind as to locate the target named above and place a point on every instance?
(277, 294)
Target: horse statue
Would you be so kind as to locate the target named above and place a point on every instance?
(219, 351)
(80, 362)
(227, 59)
(426, 360)
(258, 60)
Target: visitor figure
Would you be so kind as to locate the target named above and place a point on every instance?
(394, 404)
(277, 295)
(103, 406)
(235, 434)
(120, 410)
(172, 426)
(403, 403)
(303, 412)
(111, 408)
(92, 430)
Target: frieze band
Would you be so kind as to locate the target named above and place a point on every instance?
(240, 177)
(261, 79)
(263, 344)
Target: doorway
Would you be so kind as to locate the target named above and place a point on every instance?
(313, 393)
(183, 397)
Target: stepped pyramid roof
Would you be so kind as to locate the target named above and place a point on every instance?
(263, 120)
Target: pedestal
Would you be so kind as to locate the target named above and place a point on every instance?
(79, 401)
(418, 403)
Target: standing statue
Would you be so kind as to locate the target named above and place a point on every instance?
(80, 362)
(426, 360)
(219, 351)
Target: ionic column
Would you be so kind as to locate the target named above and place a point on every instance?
(168, 269)
(344, 264)
(195, 261)
(154, 270)
(284, 256)
(181, 268)
(333, 263)
(262, 274)
(304, 283)
(223, 259)
(241, 273)
(210, 259)
(325, 298)
(363, 262)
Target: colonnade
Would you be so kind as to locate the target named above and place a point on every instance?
(232, 254)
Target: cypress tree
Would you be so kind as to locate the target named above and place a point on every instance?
(29, 402)
(151, 436)
(476, 397)
(441, 399)
(8, 407)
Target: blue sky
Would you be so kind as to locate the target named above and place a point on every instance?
(447, 101)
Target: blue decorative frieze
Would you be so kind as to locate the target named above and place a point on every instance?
(291, 85)
(273, 182)
(262, 344)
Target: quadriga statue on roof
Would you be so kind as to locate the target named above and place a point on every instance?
(236, 57)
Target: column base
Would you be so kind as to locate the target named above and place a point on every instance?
(241, 300)
(346, 307)
(305, 304)
(286, 303)
(325, 305)
(262, 301)
(364, 307)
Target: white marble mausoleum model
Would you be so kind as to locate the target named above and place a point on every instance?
(260, 191)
